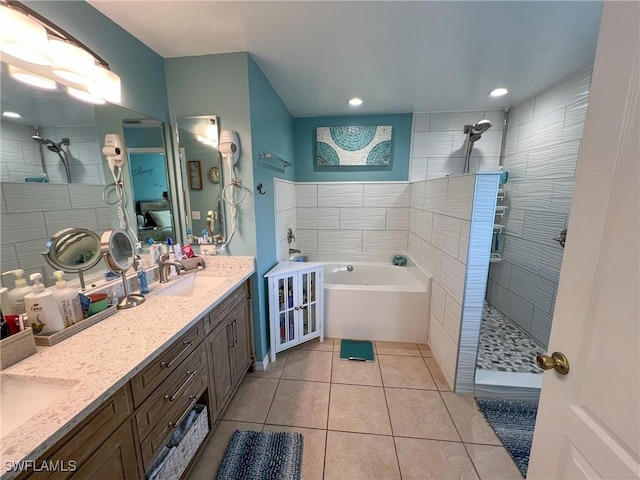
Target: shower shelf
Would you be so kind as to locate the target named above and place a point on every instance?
(501, 210)
(501, 194)
(497, 227)
(495, 258)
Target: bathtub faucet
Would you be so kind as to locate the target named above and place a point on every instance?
(294, 250)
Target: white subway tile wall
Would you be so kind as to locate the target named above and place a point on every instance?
(438, 144)
(353, 217)
(20, 155)
(32, 213)
(286, 196)
(442, 220)
(541, 152)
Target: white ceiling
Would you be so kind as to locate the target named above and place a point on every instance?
(419, 56)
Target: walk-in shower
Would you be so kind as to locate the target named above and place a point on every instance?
(56, 148)
(474, 132)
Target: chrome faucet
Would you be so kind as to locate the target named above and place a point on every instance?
(294, 250)
(164, 264)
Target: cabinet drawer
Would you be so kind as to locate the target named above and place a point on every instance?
(219, 313)
(154, 374)
(157, 416)
(85, 439)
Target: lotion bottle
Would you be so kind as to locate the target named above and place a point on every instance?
(16, 296)
(42, 309)
(68, 300)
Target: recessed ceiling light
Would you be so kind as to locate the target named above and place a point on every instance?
(355, 101)
(498, 92)
(11, 115)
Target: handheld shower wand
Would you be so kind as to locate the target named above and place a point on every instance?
(56, 148)
(474, 133)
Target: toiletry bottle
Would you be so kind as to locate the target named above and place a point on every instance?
(68, 300)
(189, 235)
(142, 280)
(42, 309)
(112, 298)
(16, 296)
(4, 327)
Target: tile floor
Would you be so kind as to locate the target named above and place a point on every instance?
(394, 418)
(504, 347)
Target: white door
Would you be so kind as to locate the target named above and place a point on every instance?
(588, 421)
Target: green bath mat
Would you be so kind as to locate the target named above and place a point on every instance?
(356, 350)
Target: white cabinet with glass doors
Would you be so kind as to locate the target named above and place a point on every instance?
(295, 304)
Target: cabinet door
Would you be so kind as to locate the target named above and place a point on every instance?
(287, 334)
(241, 351)
(114, 460)
(308, 302)
(221, 383)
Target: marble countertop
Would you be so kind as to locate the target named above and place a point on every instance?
(104, 357)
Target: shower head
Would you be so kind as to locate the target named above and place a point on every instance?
(474, 137)
(480, 127)
(50, 144)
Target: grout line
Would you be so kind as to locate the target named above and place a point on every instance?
(386, 401)
(326, 435)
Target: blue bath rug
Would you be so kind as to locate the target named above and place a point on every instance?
(356, 350)
(513, 421)
(262, 456)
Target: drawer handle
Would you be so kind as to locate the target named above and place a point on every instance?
(177, 423)
(186, 344)
(190, 375)
(230, 336)
(235, 332)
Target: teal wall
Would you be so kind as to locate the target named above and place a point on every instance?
(271, 131)
(304, 130)
(141, 70)
(219, 85)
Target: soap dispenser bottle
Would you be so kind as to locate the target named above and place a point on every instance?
(68, 300)
(42, 309)
(16, 296)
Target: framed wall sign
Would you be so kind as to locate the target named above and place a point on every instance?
(195, 174)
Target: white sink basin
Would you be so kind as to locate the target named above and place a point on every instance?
(21, 397)
(189, 286)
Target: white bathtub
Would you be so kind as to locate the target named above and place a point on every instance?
(376, 302)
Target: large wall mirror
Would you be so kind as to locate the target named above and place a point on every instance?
(53, 173)
(197, 138)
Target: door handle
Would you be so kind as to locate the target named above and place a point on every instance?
(557, 361)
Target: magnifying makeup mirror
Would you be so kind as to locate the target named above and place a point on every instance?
(118, 251)
(73, 250)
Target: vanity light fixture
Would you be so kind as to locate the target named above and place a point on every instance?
(31, 78)
(498, 92)
(23, 37)
(46, 55)
(85, 96)
(355, 102)
(9, 114)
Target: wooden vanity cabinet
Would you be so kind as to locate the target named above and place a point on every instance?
(103, 446)
(123, 436)
(228, 347)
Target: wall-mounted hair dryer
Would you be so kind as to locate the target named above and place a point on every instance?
(229, 146)
(116, 154)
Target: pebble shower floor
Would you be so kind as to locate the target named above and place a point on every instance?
(504, 347)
